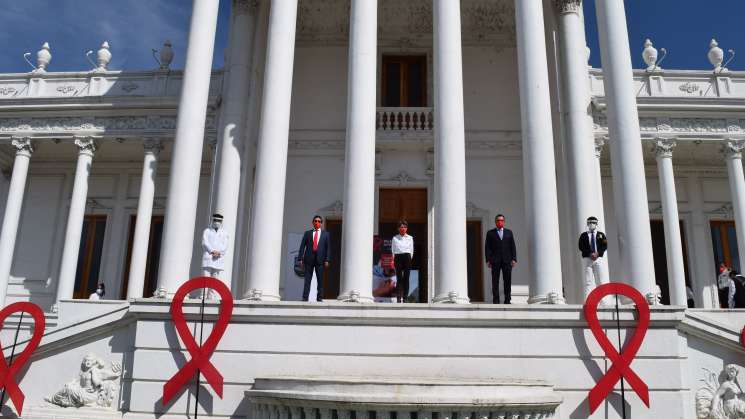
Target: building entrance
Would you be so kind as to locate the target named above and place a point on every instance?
(409, 205)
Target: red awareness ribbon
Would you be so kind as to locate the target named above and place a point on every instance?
(200, 356)
(742, 337)
(7, 373)
(621, 366)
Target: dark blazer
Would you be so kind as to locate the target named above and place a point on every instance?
(306, 248)
(601, 242)
(500, 250)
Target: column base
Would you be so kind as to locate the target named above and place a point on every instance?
(354, 296)
(260, 295)
(451, 297)
(550, 298)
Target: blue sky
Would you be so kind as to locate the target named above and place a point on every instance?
(134, 27)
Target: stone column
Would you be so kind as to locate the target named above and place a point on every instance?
(451, 284)
(24, 148)
(577, 128)
(186, 159)
(138, 262)
(627, 163)
(732, 151)
(359, 170)
(75, 218)
(704, 278)
(539, 170)
(233, 130)
(673, 244)
(267, 217)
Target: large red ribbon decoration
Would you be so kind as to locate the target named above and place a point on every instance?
(200, 356)
(742, 337)
(7, 373)
(621, 362)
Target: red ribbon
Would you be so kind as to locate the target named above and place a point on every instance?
(742, 337)
(7, 373)
(200, 355)
(621, 362)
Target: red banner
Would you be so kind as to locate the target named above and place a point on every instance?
(7, 373)
(200, 355)
(621, 366)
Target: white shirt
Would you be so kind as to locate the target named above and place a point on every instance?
(731, 294)
(402, 244)
(94, 296)
(723, 279)
(500, 232)
(214, 240)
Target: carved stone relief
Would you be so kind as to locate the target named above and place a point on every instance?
(721, 396)
(95, 385)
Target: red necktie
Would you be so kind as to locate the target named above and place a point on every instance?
(315, 240)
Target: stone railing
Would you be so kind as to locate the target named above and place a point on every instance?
(683, 84)
(156, 83)
(352, 398)
(404, 119)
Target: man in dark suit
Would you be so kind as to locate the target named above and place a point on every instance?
(315, 255)
(501, 255)
(593, 244)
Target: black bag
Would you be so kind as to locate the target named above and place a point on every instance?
(298, 267)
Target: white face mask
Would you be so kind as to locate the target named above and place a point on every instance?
(592, 226)
(216, 225)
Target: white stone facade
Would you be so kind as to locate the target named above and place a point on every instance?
(274, 133)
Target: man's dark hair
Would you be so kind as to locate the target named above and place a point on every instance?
(403, 223)
(318, 217)
(498, 215)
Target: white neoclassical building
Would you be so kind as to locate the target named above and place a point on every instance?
(441, 112)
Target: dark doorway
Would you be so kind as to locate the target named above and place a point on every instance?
(153, 256)
(660, 258)
(724, 242)
(404, 81)
(332, 275)
(409, 205)
(89, 255)
(475, 261)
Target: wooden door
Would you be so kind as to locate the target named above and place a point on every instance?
(332, 275)
(89, 255)
(410, 205)
(475, 261)
(153, 256)
(724, 242)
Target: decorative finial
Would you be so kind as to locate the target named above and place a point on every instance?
(650, 56)
(165, 55)
(43, 57)
(104, 56)
(716, 57)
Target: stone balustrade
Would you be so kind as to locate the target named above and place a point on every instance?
(157, 83)
(390, 398)
(404, 119)
(684, 84)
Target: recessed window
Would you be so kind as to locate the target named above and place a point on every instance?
(404, 81)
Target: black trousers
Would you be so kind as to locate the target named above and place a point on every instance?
(506, 269)
(723, 296)
(309, 268)
(403, 268)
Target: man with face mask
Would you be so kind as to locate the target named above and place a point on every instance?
(315, 255)
(501, 256)
(593, 244)
(99, 294)
(214, 246)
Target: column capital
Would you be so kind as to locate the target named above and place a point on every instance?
(86, 145)
(23, 145)
(663, 147)
(732, 148)
(599, 144)
(242, 7)
(152, 145)
(568, 6)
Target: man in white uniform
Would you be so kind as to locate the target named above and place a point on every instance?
(214, 246)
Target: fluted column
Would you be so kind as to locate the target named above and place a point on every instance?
(671, 220)
(627, 163)
(17, 188)
(75, 218)
(576, 126)
(186, 160)
(233, 129)
(359, 167)
(267, 217)
(138, 262)
(451, 283)
(733, 155)
(539, 168)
